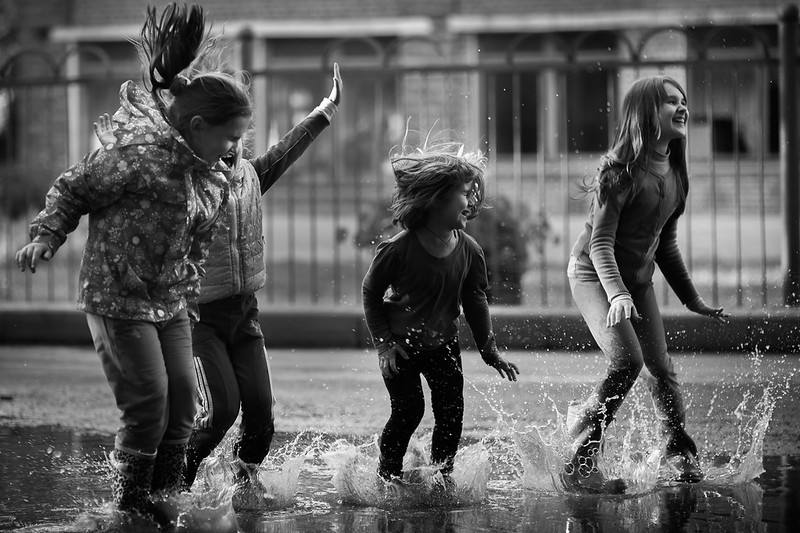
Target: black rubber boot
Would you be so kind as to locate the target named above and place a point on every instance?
(131, 479)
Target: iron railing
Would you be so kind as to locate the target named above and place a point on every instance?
(543, 115)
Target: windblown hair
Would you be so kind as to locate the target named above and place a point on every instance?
(183, 69)
(638, 130)
(426, 176)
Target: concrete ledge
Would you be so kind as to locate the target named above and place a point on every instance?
(768, 331)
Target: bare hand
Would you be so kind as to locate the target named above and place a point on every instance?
(387, 360)
(699, 306)
(622, 308)
(507, 369)
(104, 130)
(336, 92)
(31, 254)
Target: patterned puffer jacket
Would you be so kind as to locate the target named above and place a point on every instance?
(152, 205)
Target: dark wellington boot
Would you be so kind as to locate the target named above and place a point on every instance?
(169, 473)
(131, 478)
(681, 457)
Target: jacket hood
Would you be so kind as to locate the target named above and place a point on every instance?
(138, 120)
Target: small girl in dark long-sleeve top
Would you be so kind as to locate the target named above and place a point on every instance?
(413, 293)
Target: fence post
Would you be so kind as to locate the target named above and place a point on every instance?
(246, 40)
(789, 149)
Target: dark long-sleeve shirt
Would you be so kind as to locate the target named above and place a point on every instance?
(632, 231)
(413, 298)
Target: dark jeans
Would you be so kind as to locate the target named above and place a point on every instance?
(628, 346)
(232, 370)
(442, 370)
(149, 369)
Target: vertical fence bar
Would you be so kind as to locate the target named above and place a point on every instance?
(24, 119)
(563, 142)
(491, 129)
(313, 252)
(269, 227)
(357, 206)
(688, 252)
(516, 130)
(712, 177)
(291, 242)
(737, 190)
(8, 282)
(493, 262)
(790, 173)
(333, 230)
(541, 189)
(761, 82)
(51, 122)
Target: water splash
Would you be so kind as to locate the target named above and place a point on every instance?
(634, 446)
(735, 450)
(355, 476)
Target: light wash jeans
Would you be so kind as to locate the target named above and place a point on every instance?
(149, 368)
(628, 346)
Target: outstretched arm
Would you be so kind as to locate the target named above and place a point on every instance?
(278, 158)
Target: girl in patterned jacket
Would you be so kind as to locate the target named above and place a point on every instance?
(228, 345)
(639, 194)
(153, 199)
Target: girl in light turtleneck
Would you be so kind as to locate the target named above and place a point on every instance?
(638, 195)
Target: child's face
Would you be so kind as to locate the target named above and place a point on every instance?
(457, 207)
(673, 114)
(211, 142)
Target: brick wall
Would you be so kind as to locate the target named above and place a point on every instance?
(104, 12)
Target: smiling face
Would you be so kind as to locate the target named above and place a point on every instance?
(456, 209)
(673, 115)
(212, 142)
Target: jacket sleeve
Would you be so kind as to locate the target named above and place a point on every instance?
(97, 181)
(603, 239)
(272, 164)
(379, 277)
(670, 261)
(476, 306)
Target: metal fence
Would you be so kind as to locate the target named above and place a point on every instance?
(541, 107)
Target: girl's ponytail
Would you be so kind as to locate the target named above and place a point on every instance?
(183, 73)
(168, 46)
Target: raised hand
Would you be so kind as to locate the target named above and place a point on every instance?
(104, 130)
(336, 92)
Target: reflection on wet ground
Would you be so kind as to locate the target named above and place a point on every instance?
(56, 480)
(57, 422)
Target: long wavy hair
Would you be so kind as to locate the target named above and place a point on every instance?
(426, 176)
(183, 69)
(637, 132)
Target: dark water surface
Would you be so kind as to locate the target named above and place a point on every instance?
(57, 421)
(56, 480)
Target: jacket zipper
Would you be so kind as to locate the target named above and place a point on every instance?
(233, 235)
